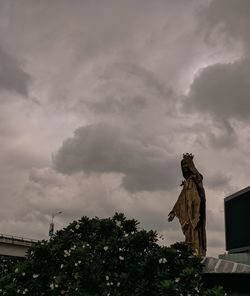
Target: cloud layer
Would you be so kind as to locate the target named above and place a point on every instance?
(222, 91)
(103, 148)
(12, 76)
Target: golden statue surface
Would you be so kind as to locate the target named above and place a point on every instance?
(190, 207)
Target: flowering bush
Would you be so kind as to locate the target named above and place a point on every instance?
(7, 264)
(110, 257)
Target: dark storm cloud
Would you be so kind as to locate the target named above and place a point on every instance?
(227, 20)
(12, 76)
(222, 90)
(103, 148)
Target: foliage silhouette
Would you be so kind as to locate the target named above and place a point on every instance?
(111, 257)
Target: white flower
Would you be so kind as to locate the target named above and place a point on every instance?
(162, 260)
(111, 283)
(23, 273)
(118, 284)
(126, 234)
(79, 262)
(66, 253)
(120, 249)
(177, 280)
(25, 291)
(52, 286)
(118, 223)
(77, 226)
(16, 270)
(76, 264)
(121, 258)
(108, 294)
(35, 276)
(18, 291)
(61, 266)
(108, 283)
(132, 232)
(197, 289)
(105, 248)
(107, 277)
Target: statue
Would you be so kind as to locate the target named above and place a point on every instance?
(190, 207)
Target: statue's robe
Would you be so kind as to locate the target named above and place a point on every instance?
(190, 210)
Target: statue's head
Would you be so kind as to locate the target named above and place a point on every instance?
(187, 165)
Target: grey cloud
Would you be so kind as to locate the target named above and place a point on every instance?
(103, 148)
(152, 175)
(20, 158)
(124, 89)
(62, 40)
(218, 180)
(216, 241)
(227, 20)
(222, 141)
(225, 138)
(49, 190)
(46, 177)
(12, 76)
(111, 105)
(148, 77)
(222, 90)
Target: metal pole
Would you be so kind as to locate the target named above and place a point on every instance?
(51, 226)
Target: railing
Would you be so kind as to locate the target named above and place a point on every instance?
(17, 238)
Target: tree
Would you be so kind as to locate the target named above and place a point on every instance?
(110, 257)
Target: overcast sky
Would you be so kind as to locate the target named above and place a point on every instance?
(99, 99)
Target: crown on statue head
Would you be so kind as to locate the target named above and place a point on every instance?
(188, 156)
